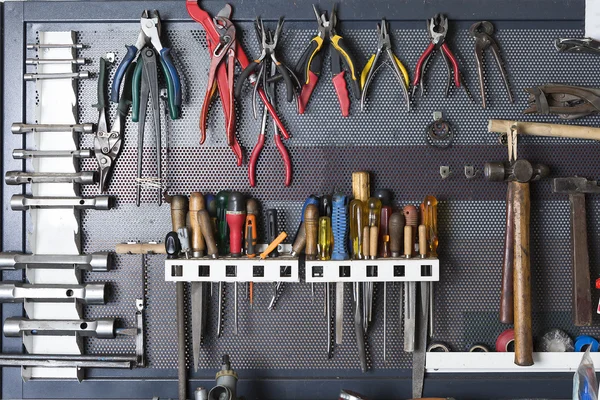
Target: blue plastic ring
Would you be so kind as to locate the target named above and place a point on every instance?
(585, 341)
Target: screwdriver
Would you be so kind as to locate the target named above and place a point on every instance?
(386, 198)
(339, 225)
(325, 210)
(325, 239)
(374, 218)
(211, 206)
(220, 204)
(179, 209)
(429, 219)
(411, 217)
(300, 239)
(235, 216)
(198, 288)
(250, 239)
(357, 219)
(272, 229)
(396, 230)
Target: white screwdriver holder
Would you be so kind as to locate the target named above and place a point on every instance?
(229, 269)
(379, 270)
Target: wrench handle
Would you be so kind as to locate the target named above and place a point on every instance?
(114, 92)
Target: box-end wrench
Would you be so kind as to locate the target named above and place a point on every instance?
(93, 262)
(21, 178)
(102, 328)
(23, 154)
(19, 202)
(25, 128)
(17, 292)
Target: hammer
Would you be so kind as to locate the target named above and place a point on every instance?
(576, 188)
(516, 270)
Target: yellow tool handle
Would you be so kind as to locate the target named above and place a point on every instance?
(361, 186)
(140, 248)
(365, 72)
(317, 43)
(339, 45)
(403, 70)
(273, 245)
(324, 240)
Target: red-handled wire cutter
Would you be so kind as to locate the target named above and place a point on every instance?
(437, 27)
(222, 82)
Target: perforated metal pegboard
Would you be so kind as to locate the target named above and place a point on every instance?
(325, 148)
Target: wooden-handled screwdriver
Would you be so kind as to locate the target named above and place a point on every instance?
(250, 238)
(198, 289)
(311, 226)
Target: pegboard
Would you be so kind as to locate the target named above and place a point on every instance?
(325, 148)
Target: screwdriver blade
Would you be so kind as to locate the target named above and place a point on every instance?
(339, 312)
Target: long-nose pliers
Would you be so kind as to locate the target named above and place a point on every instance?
(385, 46)
(309, 65)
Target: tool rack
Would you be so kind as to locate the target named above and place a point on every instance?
(325, 149)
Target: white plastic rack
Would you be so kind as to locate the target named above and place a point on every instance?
(379, 270)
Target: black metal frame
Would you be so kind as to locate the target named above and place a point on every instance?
(293, 384)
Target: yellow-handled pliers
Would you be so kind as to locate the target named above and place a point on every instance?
(371, 67)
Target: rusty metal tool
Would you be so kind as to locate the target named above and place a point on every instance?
(576, 188)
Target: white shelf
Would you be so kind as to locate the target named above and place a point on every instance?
(229, 269)
(379, 270)
(438, 362)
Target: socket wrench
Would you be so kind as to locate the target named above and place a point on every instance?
(102, 328)
(22, 154)
(90, 262)
(68, 75)
(21, 178)
(25, 128)
(19, 202)
(17, 292)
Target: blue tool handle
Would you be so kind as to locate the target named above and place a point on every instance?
(339, 225)
(114, 90)
(165, 56)
(584, 341)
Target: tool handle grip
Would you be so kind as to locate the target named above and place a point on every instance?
(422, 241)
(339, 82)
(522, 276)
(254, 159)
(285, 155)
(420, 64)
(366, 243)
(582, 297)
(289, 85)
(306, 91)
(179, 209)
(197, 204)
(174, 83)
(448, 53)
(311, 221)
(140, 248)
(300, 241)
(206, 227)
(408, 241)
(311, 60)
(102, 80)
(396, 229)
(249, 70)
(250, 236)
(339, 225)
(126, 95)
(114, 91)
(507, 292)
(136, 84)
(340, 46)
(374, 241)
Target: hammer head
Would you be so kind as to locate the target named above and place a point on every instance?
(521, 171)
(574, 184)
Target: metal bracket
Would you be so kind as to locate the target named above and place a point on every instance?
(445, 171)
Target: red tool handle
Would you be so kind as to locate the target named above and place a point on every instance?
(454, 63)
(236, 226)
(287, 162)
(306, 91)
(339, 82)
(254, 159)
(420, 66)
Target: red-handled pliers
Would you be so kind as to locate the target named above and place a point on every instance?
(437, 27)
(287, 162)
(213, 39)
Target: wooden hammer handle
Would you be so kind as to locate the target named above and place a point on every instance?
(543, 129)
(507, 293)
(582, 296)
(522, 276)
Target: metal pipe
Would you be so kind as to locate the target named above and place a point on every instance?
(103, 328)
(91, 293)
(19, 202)
(20, 177)
(24, 128)
(39, 61)
(21, 154)
(68, 75)
(94, 261)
